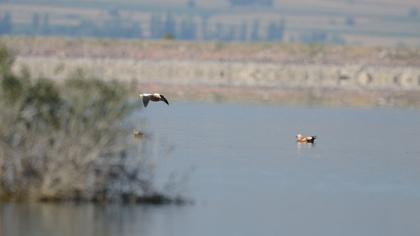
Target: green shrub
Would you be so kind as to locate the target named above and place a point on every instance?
(6, 59)
(67, 141)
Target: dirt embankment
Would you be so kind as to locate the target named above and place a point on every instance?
(277, 73)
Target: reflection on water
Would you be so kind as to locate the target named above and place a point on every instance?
(251, 178)
(78, 219)
(305, 145)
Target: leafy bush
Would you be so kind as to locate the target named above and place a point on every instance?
(66, 141)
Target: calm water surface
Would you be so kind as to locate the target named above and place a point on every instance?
(247, 176)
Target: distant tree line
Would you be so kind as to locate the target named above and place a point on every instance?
(241, 3)
(187, 28)
(114, 27)
(319, 37)
(158, 26)
(5, 23)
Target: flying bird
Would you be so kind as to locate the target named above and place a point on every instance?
(305, 139)
(155, 97)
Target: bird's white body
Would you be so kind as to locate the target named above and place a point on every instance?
(305, 139)
(154, 97)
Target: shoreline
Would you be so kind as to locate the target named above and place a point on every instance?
(207, 51)
(275, 73)
(288, 97)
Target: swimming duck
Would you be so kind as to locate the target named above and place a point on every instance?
(305, 139)
(138, 134)
(155, 97)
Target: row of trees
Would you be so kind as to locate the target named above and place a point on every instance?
(158, 26)
(251, 3)
(5, 23)
(166, 26)
(188, 29)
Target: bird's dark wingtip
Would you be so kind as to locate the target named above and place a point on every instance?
(165, 100)
(145, 101)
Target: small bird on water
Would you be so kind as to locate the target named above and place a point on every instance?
(138, 134)
(305, 139)
(154, 97)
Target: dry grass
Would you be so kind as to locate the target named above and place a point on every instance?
(213, 51)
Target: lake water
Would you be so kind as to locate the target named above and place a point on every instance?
(247, 176)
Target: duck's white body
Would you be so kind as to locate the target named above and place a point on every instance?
(305, 139)
(154, 97)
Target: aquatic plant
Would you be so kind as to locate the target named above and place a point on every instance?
(67, 141)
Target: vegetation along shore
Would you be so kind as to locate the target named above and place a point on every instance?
(67, 140)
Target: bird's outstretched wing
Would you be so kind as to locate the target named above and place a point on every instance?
(164, 99)
(145, 99)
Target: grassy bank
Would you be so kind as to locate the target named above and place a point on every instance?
(66, 141)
